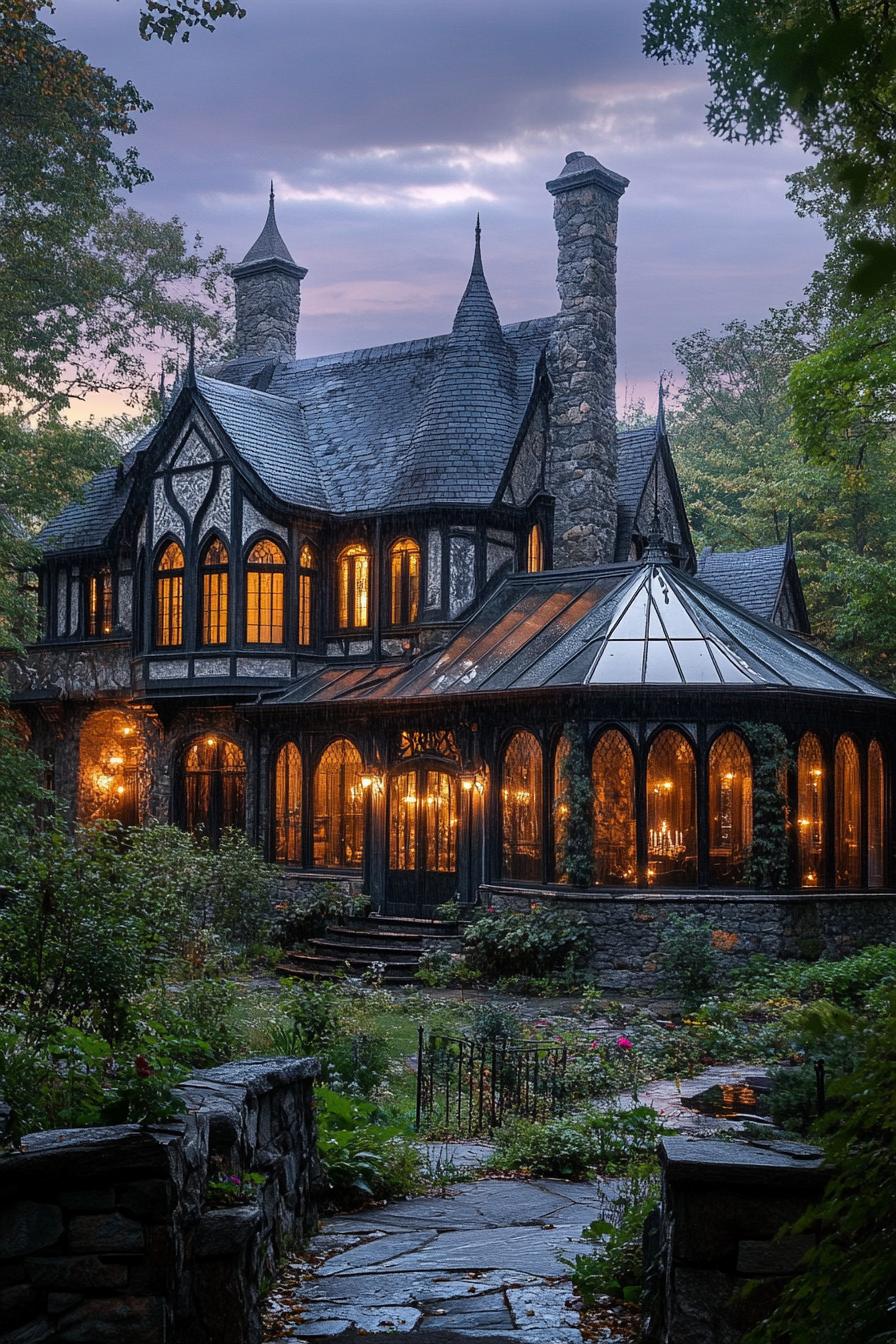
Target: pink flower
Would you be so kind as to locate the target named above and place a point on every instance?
(142, 1067)
(623, 1042)
(595, 1045)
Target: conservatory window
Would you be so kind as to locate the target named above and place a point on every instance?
(265, 583)
(730, 809)
(810, 810)
(671, 812)
(214, 787)
(99, 603)
(307, 579)
(876, 806)
(535, 550)
(521, 798)
(404, 576)
(214, 593)
(613, 781)
(338, 807)
(353, 610)
(170, 597)
(847, 814)
(288, 805)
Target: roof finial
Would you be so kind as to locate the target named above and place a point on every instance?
(190, 379)
(162, 390)
(661, 411)
(272, 191)
(477, 251)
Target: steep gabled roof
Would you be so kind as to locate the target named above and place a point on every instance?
(756, 579)
(87, 521)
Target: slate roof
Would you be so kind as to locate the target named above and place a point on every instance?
(751, 578)
(637, 449)
(564, 628)
(87, 521)
(269, 245)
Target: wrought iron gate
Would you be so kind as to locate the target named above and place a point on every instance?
(471, 1087)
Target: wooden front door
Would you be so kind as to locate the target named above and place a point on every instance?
(422, 827)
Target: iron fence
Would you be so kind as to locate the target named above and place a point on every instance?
(471, 1087)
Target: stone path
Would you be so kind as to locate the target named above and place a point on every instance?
(479, 1263)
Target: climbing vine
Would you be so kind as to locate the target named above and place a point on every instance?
(768, 862)
(574, 811)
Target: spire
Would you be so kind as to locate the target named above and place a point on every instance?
(190, 377)
(661, 412)
(477, 251)
(477, 317)
(269, 245)
(162, 390)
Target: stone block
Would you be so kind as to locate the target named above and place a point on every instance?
(147, 1199)
(106, 1233)
(17, 1304)
(96, 1199)
(224, 1232)
(35, 1332)
(115, 1320)
(782, 1256)
(26, 1226)
(58, 1303)
(76, 1273)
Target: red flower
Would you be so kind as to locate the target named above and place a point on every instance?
(142, 1067)
(623, 1042)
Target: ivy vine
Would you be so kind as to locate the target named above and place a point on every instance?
(574, 811)
(767, 865)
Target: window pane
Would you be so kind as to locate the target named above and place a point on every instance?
(521, 799)
(730, 808)
(613, 777)
(810, 810)
(214, 787)
(305, 582)
(288, 805)
(169, 630)
(338, 807)
(535, 550)
(847, 814)
(876, 805)
(441, 822)
(403, 805)
(671, 812)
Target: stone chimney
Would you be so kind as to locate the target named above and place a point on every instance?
(582, 362)
(268, 284)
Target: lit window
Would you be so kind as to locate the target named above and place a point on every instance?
(613, 781)
(535, 550)
(214, 593)
(521, 799)
(847, 814)
(876, 810)
(671, 812)
(265, 583)
(214, 787)
(99, 603)
(307, 579)
(810, 810)
(561, 808)
(730, 808)
(354, 587)
(288, 805)
(170, 597)
(111, 777)
(338, 822)
(404, 573)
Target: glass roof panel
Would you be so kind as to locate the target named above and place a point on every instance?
(632, 622)
(661, 666)
(695, 661)
(677, 620)
(620, 661)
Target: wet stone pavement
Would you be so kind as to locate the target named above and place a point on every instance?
(478, 1263)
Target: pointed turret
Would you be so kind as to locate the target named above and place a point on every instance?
(268, 285)
(661, 413)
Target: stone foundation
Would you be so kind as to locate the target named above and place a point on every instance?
(627, 925)
(107, 1234)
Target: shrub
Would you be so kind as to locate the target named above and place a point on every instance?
(530, 942)
(489, 1022)
(767, 865)
(234, 889)
(299, 915)
(616, 1267)
(362, 1155)
(847, 982)
(608, 1141)
(689, 963)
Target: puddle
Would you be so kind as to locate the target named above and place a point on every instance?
(728, 1101)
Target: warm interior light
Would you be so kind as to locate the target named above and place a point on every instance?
(120, 790)
(104, 782)
(467, 783)
(210, 741)
(126, 732)
(116, 760)
(366, 781)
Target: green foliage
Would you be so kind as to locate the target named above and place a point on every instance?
(54, 1083)
(233, 889)
(689, 964)
(168, 19)
(449, 911)
(526, 942)
(847, 982)
(141, 1092)
(229, 1190)
(768, 863)
(607, 1141)
(490, 1022)
(305, 914)
(363, 1156)
(616, 1267)
(574, 811)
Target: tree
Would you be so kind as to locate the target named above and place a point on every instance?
(167, 20)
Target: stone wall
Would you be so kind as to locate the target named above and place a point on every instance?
(627, 925)
(107, 1234)
(723, 1206)
(267, 308)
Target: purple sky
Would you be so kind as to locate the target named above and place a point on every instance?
(386, 124)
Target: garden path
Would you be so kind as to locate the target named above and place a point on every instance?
(480, 1262)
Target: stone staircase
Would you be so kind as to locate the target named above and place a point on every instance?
(354, 945)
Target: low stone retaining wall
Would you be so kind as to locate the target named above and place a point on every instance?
(723, 1205)
(106, 1234)
(627, 925)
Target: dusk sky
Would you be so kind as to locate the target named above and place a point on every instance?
(386, 124)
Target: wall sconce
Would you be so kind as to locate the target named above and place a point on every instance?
(467, 782)
(473, 779)
(372, 781)
(210, 742)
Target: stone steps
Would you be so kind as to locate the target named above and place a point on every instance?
(353, 946)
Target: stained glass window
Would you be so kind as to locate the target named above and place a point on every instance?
(265, 581)
(403, 804)
(730, 809)
(876, 809)
(521, 801)
(404, 582)
(613, 778)
(214, 593)
(847, 814)
(338, 807)
(214, 787)
(440, 801)
(561, 808)
(671, 812)
(99, 603)
(810, 810)
(288, 805)
(535, 550)
(307, 580)
(169, 625)
(353, 607)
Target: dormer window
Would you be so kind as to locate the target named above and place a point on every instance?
(265, 585)
(353, 606)
(169, 590)
(214, 587)
(98, 613)
(307, 596)
(404, 573)
(535, 550)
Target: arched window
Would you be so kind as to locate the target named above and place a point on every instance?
(561, 808)
(671, 811)
(613, 779)
(404, 582)
(307, 595)
(214, 588)
(288, 805)
(521, 798)
(99, 603)
(338, 807)
(847, 814)
(214, 787)
(876, 808)
(810, 810)
(112, 779)
(535, 550)
(353, 587)
(730, 809)
(265, 582)
(170, 597)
